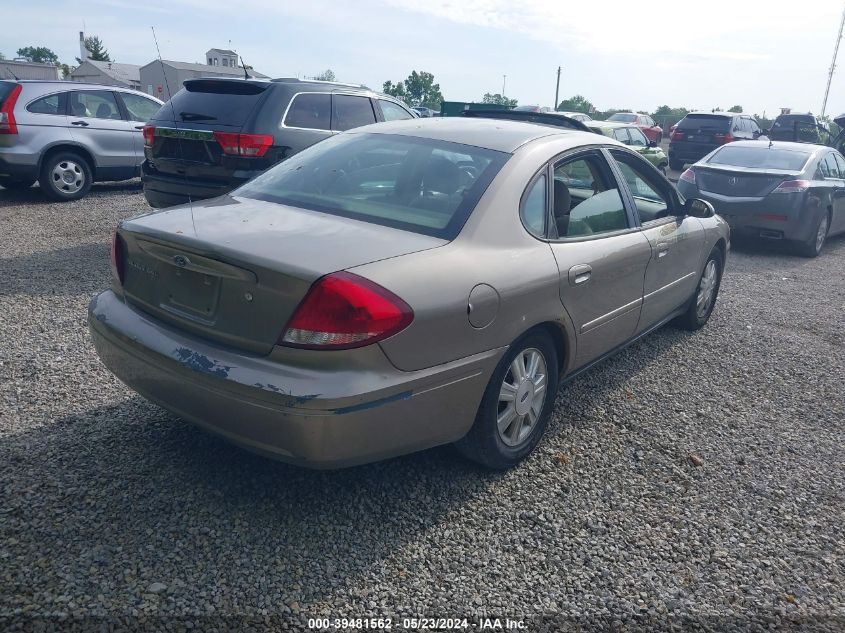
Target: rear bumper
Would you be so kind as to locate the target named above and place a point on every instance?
(22, 166)
(783, 219)
(303, 414)
(166, 191)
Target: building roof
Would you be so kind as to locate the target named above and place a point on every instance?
(14, 68)
(225, 51)
(126, 73)
(236, 71)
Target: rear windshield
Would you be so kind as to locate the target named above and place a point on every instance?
(6, 88)
(410, 183)
(788, 120)
(704, 122)
(625, 118)
(216, 102)
(763, 157)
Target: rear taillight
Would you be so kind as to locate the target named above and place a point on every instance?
(688, 176)
(676, 136)
(117, 266)
(344, 310)
(236, 144)
(792, 186)
(724, 138)
(7, 112)
(149, 133)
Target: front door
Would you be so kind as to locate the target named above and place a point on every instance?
(97, 124)
(676, 241)
(600, 253)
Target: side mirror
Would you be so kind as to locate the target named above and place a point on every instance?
(652, 143)
(698, 208)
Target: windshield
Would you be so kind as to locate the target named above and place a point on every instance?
(626, 118)
(763, 157)
(411, 183)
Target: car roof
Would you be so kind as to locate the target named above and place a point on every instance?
(812, 148)
(722, 114)
(495, 134)
(613, 124)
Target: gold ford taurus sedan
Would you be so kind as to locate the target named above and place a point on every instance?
(405, 285)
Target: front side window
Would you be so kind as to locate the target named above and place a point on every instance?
(638, 139)
(51, 104)
(393, 112)
(621, 135)
(312, 111)
(415, 184)
(97, 104)
(585, 198)
(644, 183)
(351, 111)
(139, 108)
(533, 211)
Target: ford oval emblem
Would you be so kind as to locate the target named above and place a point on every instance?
(181, 261)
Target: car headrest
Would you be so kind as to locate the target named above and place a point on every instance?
(104, 111)
(563, 199)
(441, 175)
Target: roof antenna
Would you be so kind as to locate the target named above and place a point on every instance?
(243, 63)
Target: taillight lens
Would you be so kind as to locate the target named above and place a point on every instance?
(236, 144)
(8, 125)
(724, 138)
(792, 186)
(149, 133)
(117, 265)
(344, 310)
(688, 176)
(676, 136)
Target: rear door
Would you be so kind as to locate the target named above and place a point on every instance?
(676, 241)
(351, 111)
(138, 110)
(600, 253)
(96, 122)
(41, 121)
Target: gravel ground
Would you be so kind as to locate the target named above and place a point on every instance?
(695, 479)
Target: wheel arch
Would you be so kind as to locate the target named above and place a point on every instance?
(68, 146)
(560, 338)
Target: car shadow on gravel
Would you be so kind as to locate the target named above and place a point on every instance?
(82, 269)
(117, 498)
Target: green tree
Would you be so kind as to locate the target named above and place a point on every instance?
(97, 50)
(577, 103)
(417, 90)
(66, 70)
(326, 75)
(736, 108)
(38, 54)
(498, 99)
(666, 116)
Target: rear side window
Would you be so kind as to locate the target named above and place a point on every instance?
(705, 122)
(832, 167)
(227, 103)
(139, 108)
(97, 104)
(393, 112)
(761, 157)
(312, 111)
(840, 162)
(406, 182)
(351, 111)
(51, 104)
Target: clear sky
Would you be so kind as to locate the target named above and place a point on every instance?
(698, 54)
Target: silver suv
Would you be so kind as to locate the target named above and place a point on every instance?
(68, 135)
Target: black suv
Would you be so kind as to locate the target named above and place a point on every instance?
(801, 127)
(699, 133)
(217, 133)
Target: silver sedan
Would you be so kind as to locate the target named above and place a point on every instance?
(405, 285)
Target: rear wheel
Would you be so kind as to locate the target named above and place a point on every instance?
(13, 183)
(704, 300)
(676, 165)
(65, 176)
(516, 405)
(814, 244)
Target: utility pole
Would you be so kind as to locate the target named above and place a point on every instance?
(833, 63)
(504, 83)
(557, 88)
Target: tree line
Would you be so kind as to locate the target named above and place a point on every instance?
(43, 55)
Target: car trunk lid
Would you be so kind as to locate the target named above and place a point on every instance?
(184, 139)
(739, 182)
(234, 270)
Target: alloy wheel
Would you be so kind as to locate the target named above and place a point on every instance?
(521, 397)
(68, 176)
(822, 233)
(707, 289)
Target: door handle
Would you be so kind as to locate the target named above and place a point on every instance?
(662, 249)
(82, 123)
(580, 274)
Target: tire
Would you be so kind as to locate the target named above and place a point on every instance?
(65, 176)
(676, 165)
(499, 449)
(697, 314)
(15, 184)
(813, 246)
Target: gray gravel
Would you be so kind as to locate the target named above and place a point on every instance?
(695, 479)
